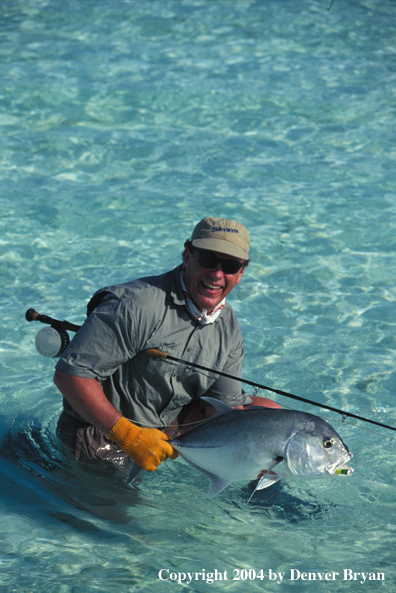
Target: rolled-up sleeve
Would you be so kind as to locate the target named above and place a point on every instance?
(102, 344)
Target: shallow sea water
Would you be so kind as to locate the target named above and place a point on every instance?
(123, 123)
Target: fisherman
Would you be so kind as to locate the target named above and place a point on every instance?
(120, 402)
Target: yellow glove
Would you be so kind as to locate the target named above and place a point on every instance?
(147, 446)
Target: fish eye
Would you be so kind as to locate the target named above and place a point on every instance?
(328, 442)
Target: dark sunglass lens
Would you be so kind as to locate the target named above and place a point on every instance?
(209, 260)
(230, 266)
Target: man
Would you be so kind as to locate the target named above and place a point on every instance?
(118, 400)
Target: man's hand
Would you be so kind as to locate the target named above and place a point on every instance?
(147, 446)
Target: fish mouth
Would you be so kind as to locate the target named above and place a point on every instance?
(344, 470)
(339, 467)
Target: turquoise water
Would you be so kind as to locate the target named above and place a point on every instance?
(123, 123)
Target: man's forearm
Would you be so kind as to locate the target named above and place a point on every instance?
(88, 399)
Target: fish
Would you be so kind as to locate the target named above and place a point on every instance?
(264, 444)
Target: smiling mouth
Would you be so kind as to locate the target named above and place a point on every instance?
(211, 286)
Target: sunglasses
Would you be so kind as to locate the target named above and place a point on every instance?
(210, 260)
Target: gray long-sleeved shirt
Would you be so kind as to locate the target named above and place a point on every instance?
(151, 313)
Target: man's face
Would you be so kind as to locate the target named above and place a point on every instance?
(208, 286)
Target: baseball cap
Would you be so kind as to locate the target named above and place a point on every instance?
(222, 235)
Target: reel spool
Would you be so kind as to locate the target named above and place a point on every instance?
(51, 342)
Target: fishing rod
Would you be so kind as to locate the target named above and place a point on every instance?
(53, 346)
(163, 355)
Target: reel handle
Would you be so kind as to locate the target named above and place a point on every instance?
(32, 315)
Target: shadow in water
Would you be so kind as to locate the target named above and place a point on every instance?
(39, 465)
(278, 502)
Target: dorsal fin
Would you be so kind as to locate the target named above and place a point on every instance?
(221, 407)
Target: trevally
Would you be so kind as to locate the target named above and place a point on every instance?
(260, 443)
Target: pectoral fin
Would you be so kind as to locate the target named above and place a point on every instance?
(268, 479)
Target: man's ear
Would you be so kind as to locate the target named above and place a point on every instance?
(186, 255)
(239, 275)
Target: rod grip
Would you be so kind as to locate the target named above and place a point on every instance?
(156, 353)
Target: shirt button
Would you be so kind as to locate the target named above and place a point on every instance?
(188, 349)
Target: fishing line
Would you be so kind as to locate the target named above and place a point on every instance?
(284, 406)
(365, 429)
(160, 426)
(346, 423)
